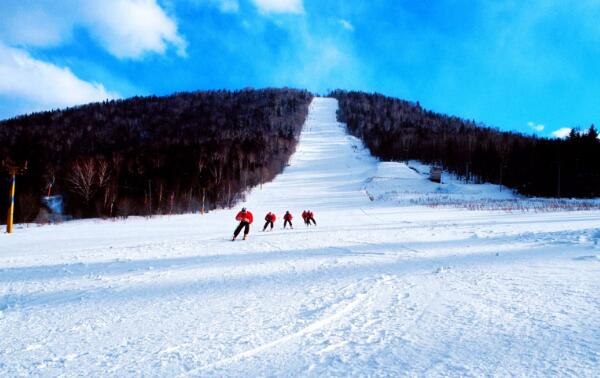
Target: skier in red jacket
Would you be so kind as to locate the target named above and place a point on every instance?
(287, 219)
(269, 218)
(310, 216)
(245, 218)
(305, 217)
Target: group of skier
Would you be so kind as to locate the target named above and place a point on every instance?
(246, 218)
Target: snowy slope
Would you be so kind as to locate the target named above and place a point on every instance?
(378, 288)
(409, 184)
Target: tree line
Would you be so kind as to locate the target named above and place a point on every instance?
(394, 129)
(152, 155)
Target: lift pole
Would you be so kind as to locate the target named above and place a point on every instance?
(11, 205)
(13, 170)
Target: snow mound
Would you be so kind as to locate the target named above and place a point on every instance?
(588, 258)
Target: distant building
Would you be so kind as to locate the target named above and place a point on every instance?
(435, 174)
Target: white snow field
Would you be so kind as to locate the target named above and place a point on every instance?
(378, 288)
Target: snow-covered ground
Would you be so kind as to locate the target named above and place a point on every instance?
(408, 185)
(378, 288)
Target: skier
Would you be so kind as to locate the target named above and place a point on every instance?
(305, 217)
(245, 218)
(287, 219)
(269, 218)
(310, 216)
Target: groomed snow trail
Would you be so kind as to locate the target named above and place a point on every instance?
(376, 289)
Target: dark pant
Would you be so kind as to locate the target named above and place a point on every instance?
(286, 222)
(244, 225)
(306, 222)
(267, 223)
(311, 219)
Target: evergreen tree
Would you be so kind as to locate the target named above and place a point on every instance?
(394, 129)
(592, 133)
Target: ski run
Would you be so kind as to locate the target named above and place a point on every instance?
(382, 286)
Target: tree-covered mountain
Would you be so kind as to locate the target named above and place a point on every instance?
(394, 129)
(152, 155)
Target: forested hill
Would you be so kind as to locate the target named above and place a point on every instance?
(394, 129)
(152, 154)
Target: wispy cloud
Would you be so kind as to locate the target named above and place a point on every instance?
(279, 6)
(346, 24)
(317, 59)
(535, 126)
(225, 6)
(228, 6)
(562, 132)
(127, 29)
(43, 85)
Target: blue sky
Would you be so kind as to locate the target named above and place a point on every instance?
(527, 66)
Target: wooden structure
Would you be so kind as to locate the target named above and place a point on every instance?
(435, 174)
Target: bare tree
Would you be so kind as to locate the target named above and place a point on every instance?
(216, 170)
(102, 172)
(87, 176)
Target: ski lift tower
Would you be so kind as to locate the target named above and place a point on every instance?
(13, 170)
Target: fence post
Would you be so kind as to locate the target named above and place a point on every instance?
(11, 205)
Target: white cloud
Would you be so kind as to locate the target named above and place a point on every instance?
(562, 132)
(279, 6)
(44, 85)
(227, 6)
(125, 28)
(565, 131)
(35, 23)
(346, 25)
(535, 126)
(130, 28)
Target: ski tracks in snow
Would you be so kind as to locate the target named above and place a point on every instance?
(338, 313)
(345, 329)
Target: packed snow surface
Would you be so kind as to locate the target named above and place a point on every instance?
(380, 287)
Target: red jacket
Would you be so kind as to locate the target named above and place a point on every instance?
(304, 214)
(244, 216)
(310, 214)
(288, 217)
(270, 217)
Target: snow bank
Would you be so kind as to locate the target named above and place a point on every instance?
(409, 184)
